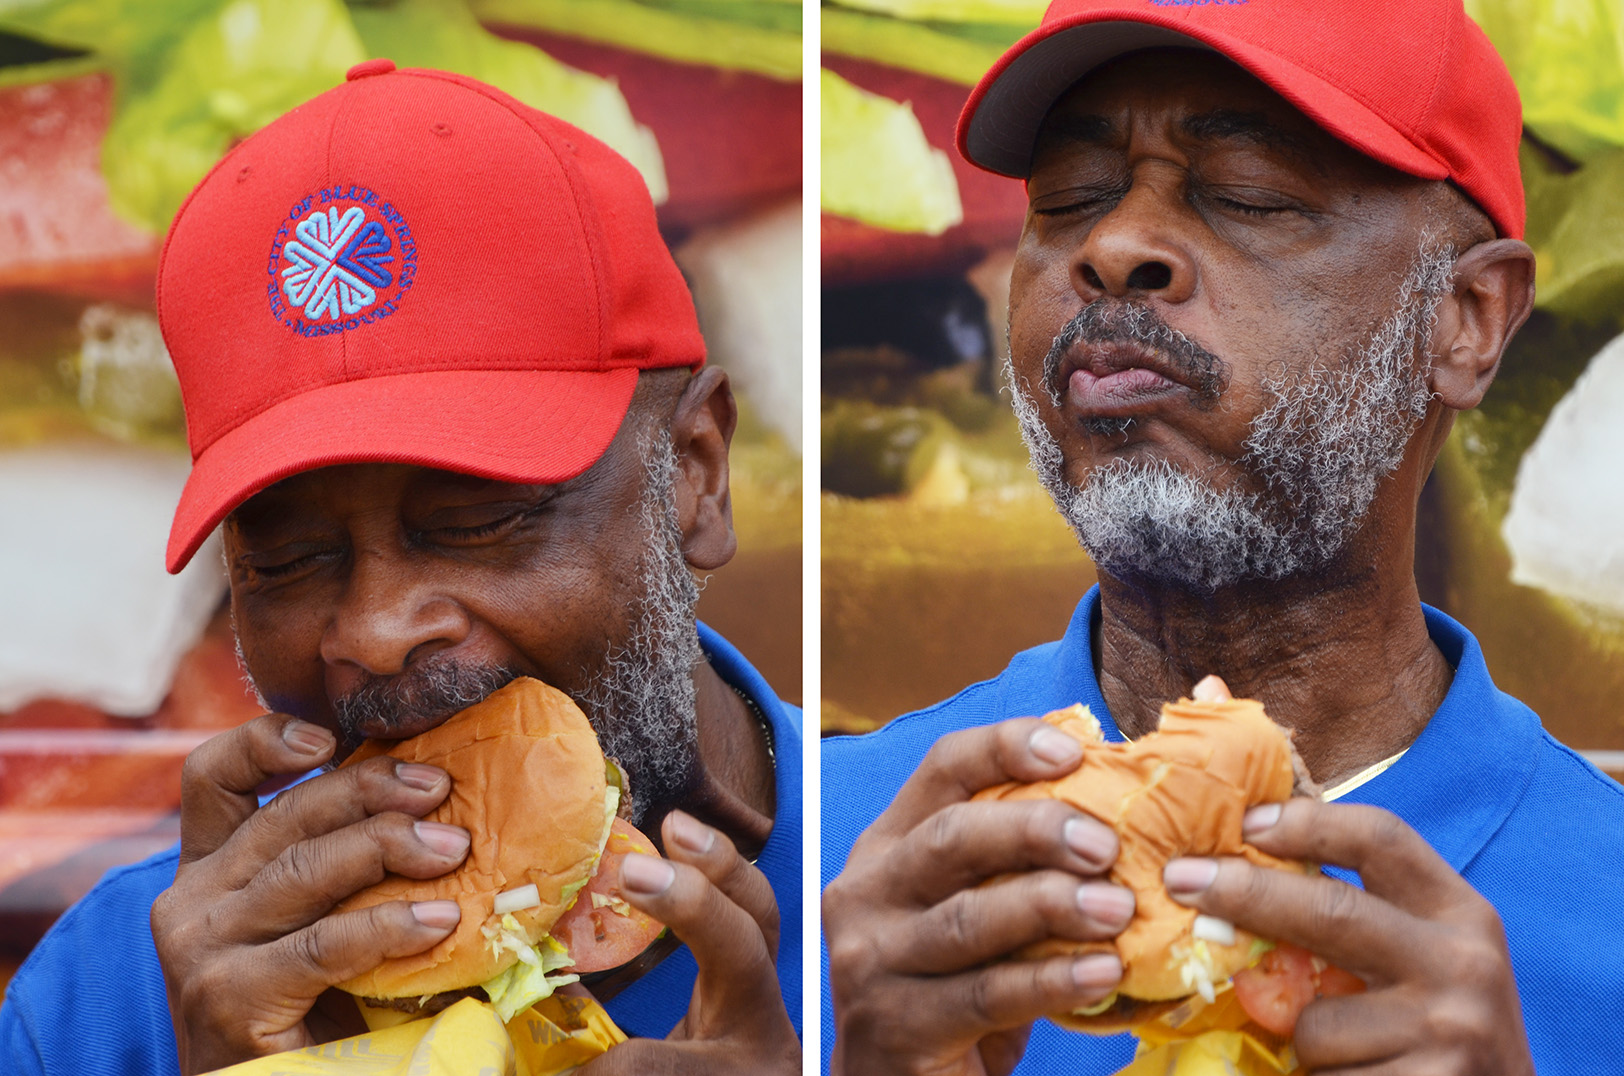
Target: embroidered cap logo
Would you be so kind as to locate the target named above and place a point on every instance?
(332, 273)
(336, 262)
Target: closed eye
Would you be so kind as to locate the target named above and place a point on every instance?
(281, 565)
(1076, 200)
(473, 533)
(1251, 209)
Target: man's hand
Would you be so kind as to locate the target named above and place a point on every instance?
(244, 935)
(1441, 998)
(914, 936)
(724, 911)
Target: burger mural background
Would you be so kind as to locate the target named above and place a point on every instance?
(941, 555)
(110, 111)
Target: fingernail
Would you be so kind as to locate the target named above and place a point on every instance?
(1110, 906)
(646, 874)
(1259, 818)
(1090, 839)
(691, 833)
(417, 775)
(305, 738)
(1096, 971)
(439, 914)
(450, 841)
(1053, 746)
(1189, 876)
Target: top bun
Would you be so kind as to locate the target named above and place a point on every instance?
(1179, 791)
(527, 783)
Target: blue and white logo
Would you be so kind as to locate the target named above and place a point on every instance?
(336, 263)
(341, 259)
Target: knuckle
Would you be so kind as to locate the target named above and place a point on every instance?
(1333, 909)
(1254, 887)
(853, 960)
(1387, 829)
(1473, 958)
(1457, 1018)
(944, 751)
(980, 999)
(960, 921)
(1053, 897)
(313, 948)
(1040, 829)
(195, 772)
(835, 904)
(388, 829)
(938, 835)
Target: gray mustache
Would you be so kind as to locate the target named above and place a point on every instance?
(433, 689)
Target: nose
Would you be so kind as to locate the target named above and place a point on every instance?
(1136, 250)
(389, 617)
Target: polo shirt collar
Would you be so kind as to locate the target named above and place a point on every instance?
(1456, 784)
(1470, 766)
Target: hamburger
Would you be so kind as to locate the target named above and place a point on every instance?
(1181, 791)
(539, 889)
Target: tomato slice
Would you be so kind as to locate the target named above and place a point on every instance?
(599, 937)
(1333, 982)
(1276, 989)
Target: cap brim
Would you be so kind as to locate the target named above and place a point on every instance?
(1000, 122)
(513, 426)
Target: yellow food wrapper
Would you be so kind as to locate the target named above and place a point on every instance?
(553, 1037)
(1213, 1053)
(1217, 1039)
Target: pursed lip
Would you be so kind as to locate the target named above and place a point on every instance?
(1112, 379)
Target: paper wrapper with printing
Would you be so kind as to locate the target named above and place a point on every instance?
(553, 1037)
(1197, 1039)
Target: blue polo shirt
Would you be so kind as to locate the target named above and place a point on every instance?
(1534, 827)
(90, 997)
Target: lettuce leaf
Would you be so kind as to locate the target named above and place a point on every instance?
(941, 50)
(443, 34)
(879, 168)
(768, 45)
(235, 70)
(1567, 58)
(529, 980)
(1026, 12)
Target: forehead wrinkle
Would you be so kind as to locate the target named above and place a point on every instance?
(1255, 128)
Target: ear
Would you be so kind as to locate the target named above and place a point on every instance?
(701, 431)
(1494, 293)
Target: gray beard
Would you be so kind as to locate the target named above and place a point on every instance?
(642, 700)
(643, 703)
(1315, 456)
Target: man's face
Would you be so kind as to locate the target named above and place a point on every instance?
(1215, 322)
(379, 599)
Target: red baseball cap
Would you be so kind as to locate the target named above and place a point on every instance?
(412, 268)
(1413, 83)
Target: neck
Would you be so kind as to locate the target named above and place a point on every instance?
(1342, 657)
(734, 789)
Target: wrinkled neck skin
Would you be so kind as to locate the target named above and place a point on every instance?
(734, 789)
(1341, 656)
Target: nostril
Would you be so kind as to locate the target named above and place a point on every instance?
(1092, 278)
(1151, 276)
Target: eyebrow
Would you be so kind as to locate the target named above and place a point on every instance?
(1085, 128)
(1231, 124)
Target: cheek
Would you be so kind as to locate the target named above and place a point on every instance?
(281, 647)
(561, 614)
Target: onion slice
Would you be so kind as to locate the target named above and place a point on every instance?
(517, 900)
(1212, 929)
